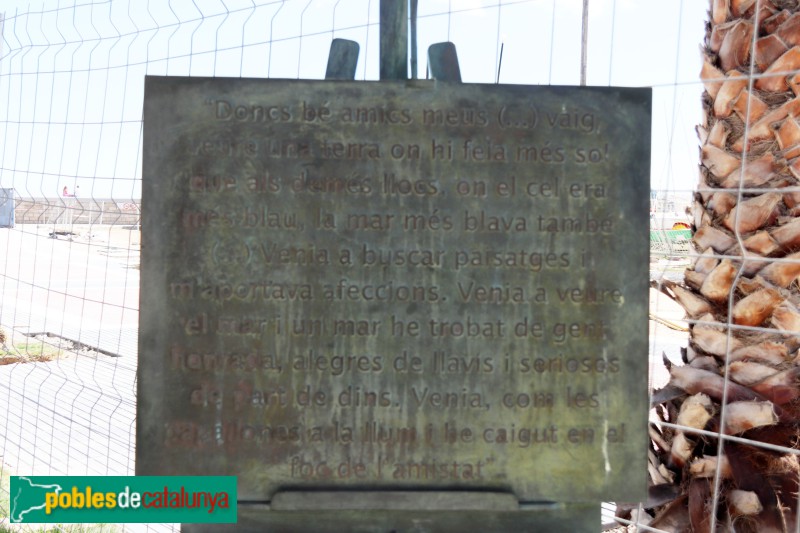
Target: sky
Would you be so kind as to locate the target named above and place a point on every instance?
(71, 72)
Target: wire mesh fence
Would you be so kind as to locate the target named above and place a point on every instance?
(71, 95)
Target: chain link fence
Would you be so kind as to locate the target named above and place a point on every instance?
(71, 95)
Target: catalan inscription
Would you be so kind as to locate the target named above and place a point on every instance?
(395, 286)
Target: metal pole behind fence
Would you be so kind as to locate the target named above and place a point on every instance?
(584, 40)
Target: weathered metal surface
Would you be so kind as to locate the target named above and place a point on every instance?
(395, 285)
(394, 40)
(342, 60)
(575, 518)
(443, 62)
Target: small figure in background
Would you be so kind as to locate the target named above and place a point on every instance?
(65, 192)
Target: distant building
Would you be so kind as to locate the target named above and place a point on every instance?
(668, 209)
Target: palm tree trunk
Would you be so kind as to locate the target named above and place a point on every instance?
(741, 295)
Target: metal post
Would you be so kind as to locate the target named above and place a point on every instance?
(413, 23)
(394, 40)
(584, 40)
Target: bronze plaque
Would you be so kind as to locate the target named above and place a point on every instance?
(395, 285)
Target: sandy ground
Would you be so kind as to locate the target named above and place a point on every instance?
(80, 284)
(128, 237)
(668, 334)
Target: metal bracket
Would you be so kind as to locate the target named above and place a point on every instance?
(442, 57)
(342, 60)
(443, 62)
